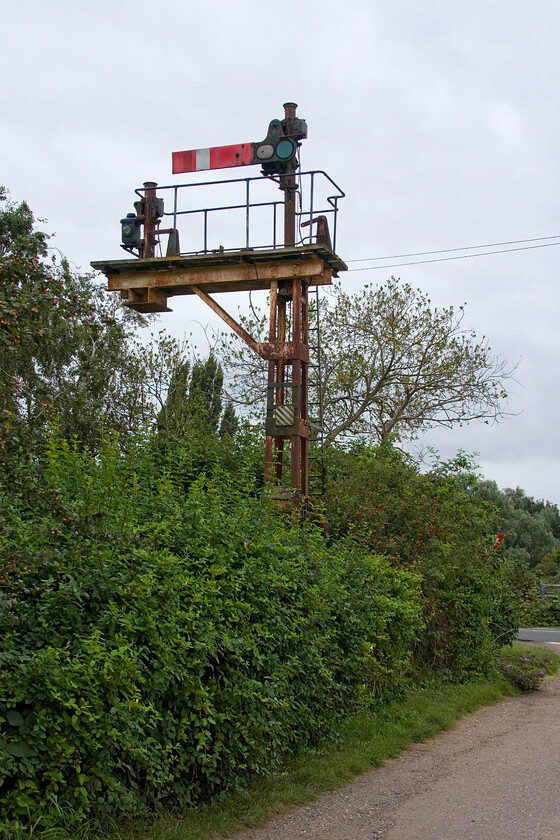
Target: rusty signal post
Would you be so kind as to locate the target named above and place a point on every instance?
(286, 269)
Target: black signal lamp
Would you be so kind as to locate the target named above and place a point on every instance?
(130, 232)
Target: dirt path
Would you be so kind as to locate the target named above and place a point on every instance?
(495, 776)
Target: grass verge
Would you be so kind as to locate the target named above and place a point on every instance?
(366, 741)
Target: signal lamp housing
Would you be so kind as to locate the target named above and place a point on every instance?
(130, 232)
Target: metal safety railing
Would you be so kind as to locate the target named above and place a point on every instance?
(260, 219)
(550, 590)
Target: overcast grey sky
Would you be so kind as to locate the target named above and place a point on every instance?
(439, 119)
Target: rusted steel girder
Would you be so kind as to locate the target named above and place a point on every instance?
(149, 244)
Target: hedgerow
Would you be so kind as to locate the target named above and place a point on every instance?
(164, 636)
(437, 525)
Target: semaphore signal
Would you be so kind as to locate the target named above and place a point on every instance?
(274, 153)
(286, 270)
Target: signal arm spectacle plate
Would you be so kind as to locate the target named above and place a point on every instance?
(265, 151)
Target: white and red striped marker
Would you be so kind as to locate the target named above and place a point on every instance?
(218, 157)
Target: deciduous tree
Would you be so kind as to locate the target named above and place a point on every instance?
(531, 527)
(392, 365)
(395, 364)
(66, 350)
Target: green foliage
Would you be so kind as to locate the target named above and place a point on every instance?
(395, 364)
(164, 638)
(526, 668)
(532, 527)
(193, 405)
(534, 611)
(365, 740)
(174, 416)
(531, 546)
(165, 633)
(205, 392)
(16, 226)
(392, 365)
(229, 424)
(548, 570)
(65, 352)
(436, 525)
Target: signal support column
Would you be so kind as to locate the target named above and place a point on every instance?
(288, 420)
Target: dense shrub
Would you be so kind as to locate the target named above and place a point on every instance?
(66, 349)
(532, 526)
(436, 525)
(534, 611)
(160, 643)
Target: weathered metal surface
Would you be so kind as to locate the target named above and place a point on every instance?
(277, 149)
(149, 244)
(145, 300)
(259, 260)
(278, 350)
(233, 278)
(139, 280)
(277, 429)
(323, 233)
(289, 184)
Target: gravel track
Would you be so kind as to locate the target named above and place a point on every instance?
(495, 776)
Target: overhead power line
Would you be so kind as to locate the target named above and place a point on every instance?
(457, 256)
(463, 248)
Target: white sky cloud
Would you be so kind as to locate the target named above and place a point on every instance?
(440, 121)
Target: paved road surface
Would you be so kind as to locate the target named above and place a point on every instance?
(496, 776)
(538, 634)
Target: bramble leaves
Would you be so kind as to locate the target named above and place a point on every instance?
(164, 636)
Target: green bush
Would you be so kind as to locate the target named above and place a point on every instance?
(436, 525)
(162, 643)
(534, 611)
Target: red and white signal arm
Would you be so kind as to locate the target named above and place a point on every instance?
(274, 153)
(217, 157)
